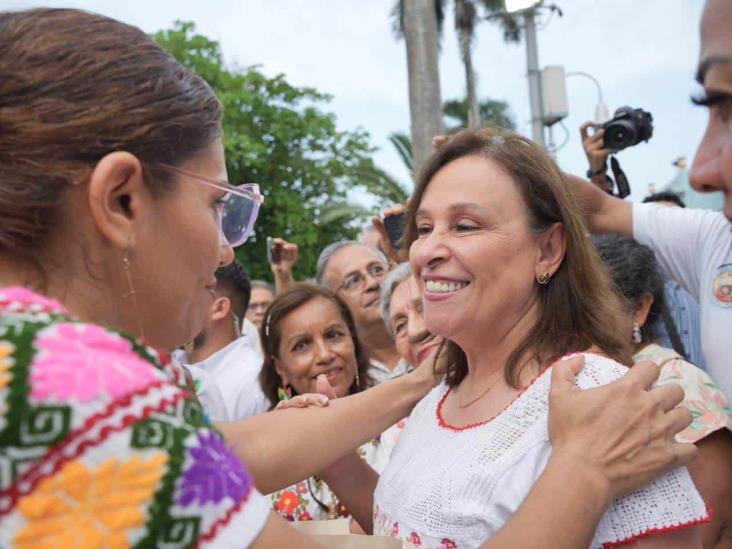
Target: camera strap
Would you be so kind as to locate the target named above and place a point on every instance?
(621, 180)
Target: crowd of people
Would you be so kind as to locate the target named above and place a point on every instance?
(496, 378)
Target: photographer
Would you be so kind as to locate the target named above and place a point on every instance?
(597, 155)
(694, 247)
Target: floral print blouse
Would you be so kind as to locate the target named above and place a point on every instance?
(703, 397)
(100, 446)
(312, 498)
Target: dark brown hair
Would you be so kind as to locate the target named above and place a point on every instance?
(75, 86)
(270, 334)
(577, 307)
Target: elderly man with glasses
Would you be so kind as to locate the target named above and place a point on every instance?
(355, 271)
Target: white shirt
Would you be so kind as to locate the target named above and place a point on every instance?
(250, 333)
(234, 372)
(450, 487)
(380, 372)
(694, 247)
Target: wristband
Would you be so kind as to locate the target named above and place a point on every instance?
(601, 171)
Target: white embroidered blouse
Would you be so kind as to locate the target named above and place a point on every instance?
(454, 488)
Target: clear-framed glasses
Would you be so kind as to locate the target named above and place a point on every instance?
(239, 208)
(356, 281)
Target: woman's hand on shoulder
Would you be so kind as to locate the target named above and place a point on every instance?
(621, 433)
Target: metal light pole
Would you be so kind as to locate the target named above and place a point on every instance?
(601, 112)
(534, 75)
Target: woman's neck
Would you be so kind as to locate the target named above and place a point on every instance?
(83, 299)
(487, 358)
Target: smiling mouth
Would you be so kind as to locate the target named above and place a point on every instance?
(444, 286)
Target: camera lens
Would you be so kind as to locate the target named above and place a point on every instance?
(620, 135)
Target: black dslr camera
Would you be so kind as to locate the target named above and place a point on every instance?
(628, 127)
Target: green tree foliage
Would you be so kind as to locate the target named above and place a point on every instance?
(492, 113)
(276, 134)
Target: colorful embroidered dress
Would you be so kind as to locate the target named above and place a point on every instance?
(702, 396)
(99, 447)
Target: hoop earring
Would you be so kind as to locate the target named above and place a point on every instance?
(133, 292)
(637, 335)
(543, 279)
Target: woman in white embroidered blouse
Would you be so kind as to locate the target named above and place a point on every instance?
(510, 279)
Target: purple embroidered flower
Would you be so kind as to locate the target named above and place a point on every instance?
(213, 474)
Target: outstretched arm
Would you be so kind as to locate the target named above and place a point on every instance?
(283, 447)
(603, 213)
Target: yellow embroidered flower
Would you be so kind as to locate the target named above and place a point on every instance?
(90, 508)
(6, 349)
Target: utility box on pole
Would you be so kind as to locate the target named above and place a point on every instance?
(553, 94)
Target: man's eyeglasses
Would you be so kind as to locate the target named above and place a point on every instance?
(356, 281)
(239, 208)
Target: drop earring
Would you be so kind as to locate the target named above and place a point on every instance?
(133, 292)
(637, 336)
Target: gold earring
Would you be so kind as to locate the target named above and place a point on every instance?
(132, 293)
(543, 279)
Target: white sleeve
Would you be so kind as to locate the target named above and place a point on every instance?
(678, 237)
(670, 502)
(244, 526)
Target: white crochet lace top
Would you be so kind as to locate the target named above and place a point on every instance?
(454, 488)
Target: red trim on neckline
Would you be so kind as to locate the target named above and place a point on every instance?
(442, 423)
(664, 530)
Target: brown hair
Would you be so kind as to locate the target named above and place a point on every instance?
(270, 333)
(75, 86)
(577, 306)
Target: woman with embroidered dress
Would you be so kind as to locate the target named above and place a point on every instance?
(510, 279)
(639, 285)
(309, 338)
(114, 216)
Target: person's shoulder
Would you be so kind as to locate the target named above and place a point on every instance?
(599, 370)
(429, 402)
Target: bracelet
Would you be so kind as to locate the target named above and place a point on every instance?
(591, 174)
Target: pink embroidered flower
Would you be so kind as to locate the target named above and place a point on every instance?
(84, 360)
(395, 530)
(414, 539)
(305, 516)
(448, 544)
(20, 299)
(301, 487)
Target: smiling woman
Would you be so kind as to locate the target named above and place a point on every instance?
(310, 342)
(511, 282)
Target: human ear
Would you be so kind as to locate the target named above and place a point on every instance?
(118, 197)
(551, 250)
(644, 308)
(221, 308)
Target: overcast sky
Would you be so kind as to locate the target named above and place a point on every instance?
(643, 53)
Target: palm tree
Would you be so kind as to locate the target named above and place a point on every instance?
(492, 113)
(420, 30)
(466, 18)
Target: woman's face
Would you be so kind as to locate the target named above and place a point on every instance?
(315, 340)
(177, 253)
(413, 342)
(475, 255)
